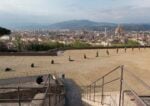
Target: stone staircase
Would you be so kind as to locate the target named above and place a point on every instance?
(109, 99)
(112, 99)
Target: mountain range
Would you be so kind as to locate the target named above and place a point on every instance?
(84, 24)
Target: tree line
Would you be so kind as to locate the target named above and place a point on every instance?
(4, 31)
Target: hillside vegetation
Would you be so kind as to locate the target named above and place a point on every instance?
(4, 31)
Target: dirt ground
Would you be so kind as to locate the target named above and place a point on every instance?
(82, 71)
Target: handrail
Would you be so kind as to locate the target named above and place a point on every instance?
(121, 84)
(112, 71)
(111, 81)
(105, 83)
(106, 75)
(134, 93)
(93, 85)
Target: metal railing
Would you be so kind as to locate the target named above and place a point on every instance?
(91, 93)
(47, 93)
(132, 89)
(94, 85)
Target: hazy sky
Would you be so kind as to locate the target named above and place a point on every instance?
(51, 11)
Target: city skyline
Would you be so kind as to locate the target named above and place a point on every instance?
(13, 12)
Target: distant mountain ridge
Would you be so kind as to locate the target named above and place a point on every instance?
(79, 24)
(86, 24)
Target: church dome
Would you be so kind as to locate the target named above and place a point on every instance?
(119, 30)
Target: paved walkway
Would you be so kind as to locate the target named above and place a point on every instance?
(73, 95)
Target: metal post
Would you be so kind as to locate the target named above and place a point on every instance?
(55, 99)
(123, 98)
(56, 95)
(94, 92)
(59, 99)
(49, 90)
(87, 92)
(102, 91)
(121, 86)
(90, 92)
(49, 100)
(19, 102)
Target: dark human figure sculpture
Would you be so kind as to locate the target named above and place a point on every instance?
(117, 50)
(8, 69)
(97, 54)
(125, 49)
(85, 56)
(132, 48)
(107, 52)
(63, 76)
(32, 65)
(39, 79)
(70, 59)
(52, 61)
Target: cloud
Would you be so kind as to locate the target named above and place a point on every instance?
(34, 7)
(141, 3)
(123, 14)
(50, 11)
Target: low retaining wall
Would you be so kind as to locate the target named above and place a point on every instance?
(107, 47)
(45, 53)
(27, 54)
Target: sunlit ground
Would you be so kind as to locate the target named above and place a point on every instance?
(82, 71)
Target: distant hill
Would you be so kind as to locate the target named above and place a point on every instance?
(85, 24)
(4, 31)
(79, 24)
(136, 27)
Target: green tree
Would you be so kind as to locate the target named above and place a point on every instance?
(4, 31)
(18, 43)
(79, 44)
